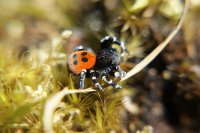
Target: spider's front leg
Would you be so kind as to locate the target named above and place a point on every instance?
(82, 79)
(119, 73)
(106, 79)
(95, 81)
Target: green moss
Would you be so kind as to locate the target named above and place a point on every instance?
(33, 70)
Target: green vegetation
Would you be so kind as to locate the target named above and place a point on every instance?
(38, 94)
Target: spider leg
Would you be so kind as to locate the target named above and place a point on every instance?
(107, 41)
(120, 73)
(82, 79)
(123, 49)
(106, 79)
(95, 81)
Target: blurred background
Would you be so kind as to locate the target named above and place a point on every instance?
(165, 95)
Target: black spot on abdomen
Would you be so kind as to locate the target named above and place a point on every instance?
(84, 59)
(75, 62)
(75, 56)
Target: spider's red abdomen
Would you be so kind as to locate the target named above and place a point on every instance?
(80, 60)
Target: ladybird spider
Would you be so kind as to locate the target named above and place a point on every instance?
(106, 62)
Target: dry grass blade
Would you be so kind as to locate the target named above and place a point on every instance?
(52, 103)
(159, 48)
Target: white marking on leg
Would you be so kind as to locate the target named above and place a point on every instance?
(117, 75)
(105, 38)
(118, 86)
(91, 71)
(93, 77)
(114, 39)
